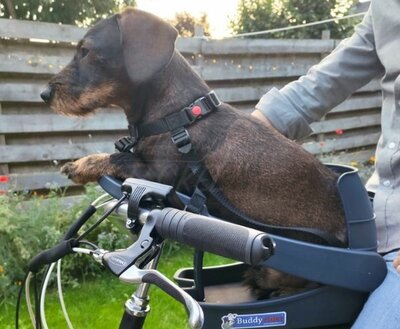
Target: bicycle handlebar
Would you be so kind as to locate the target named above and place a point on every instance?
(205, 233)
(208, 234)
(51, 255)
(213, 235)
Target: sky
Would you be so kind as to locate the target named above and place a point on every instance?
(218, 12)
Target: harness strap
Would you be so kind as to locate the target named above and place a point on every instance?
(195, 111)
(174, 123)
(197, 202)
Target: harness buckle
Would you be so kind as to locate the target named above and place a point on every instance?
(212, 96)
(181, 138)
(128, 143)
(202, 106)
(125, 144)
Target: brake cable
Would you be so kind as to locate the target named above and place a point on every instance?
(71, 232)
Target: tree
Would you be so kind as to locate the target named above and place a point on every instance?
(84, 12)
(185, 23)
(260, 15)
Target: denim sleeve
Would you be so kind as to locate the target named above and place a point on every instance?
(350, 66)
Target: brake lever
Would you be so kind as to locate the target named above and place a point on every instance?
(139, 253)
(135, 275)
(145, 248)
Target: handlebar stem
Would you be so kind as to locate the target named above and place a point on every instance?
(136, 275)
(137, 307)
(142, 290)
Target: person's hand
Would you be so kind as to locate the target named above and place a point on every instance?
(396, 262)
(257, 114)
(260, 116)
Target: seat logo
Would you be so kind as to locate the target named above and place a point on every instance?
(261, 320)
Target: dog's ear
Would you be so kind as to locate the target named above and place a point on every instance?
(148, 43)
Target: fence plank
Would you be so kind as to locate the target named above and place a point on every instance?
(341, 144)
(347, 123)
(373, 85)
(225, 69)
(255, 67)
(265, 46)
(21, 92)
(189, 45)
(254, 92)
(36, 58)
(49, 152)
(21, 29)
(35, 181)
(33, 59)
(358, 103)
(13, 124)
(350, 158)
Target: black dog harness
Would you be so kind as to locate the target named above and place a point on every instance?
(176, 124)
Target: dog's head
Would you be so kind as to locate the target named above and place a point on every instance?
(115, 55)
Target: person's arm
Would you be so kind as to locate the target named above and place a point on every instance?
(350, 66)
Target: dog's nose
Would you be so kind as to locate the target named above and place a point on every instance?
(47, 94)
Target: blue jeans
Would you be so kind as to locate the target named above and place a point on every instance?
(382, 309)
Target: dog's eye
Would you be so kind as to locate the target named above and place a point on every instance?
(84, 51)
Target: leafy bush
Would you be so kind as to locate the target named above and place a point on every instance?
(27, 227)
(260, 15)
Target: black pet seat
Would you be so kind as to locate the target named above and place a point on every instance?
(344, 276)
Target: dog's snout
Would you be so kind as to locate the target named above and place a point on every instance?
(47, 94)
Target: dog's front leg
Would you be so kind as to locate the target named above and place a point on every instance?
(90, 168)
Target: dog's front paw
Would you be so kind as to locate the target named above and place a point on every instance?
(87, 169)
(71, 170)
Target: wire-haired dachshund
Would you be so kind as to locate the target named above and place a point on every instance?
(130, 60)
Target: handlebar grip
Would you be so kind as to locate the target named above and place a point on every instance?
(214, 235)
(51, 255)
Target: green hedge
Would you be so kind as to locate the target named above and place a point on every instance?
(31, 224)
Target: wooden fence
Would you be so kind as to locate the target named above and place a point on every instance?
(34, 142)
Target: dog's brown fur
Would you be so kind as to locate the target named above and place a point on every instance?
(130, 60)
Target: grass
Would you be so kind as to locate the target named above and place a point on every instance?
(99, 303)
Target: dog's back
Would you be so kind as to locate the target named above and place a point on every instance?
(266, 175)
